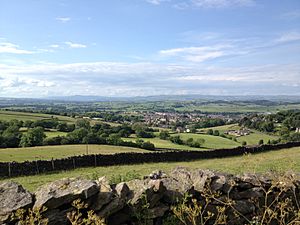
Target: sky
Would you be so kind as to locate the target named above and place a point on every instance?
(149, 47)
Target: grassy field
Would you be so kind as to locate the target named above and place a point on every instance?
(255, 136)
(251, 139)
(55, 133)
(211, 142)
(10, 115)
(279, 161)
(240, 107)
(59, 151)
(159, 143)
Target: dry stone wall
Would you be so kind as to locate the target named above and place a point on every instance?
(153, 200)
(14, 169)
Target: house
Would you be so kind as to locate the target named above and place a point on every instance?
(179, 129)
(238, 133)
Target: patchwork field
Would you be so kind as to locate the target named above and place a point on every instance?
(10, 115)
(59, 151)
(276, 161)
(251, 139)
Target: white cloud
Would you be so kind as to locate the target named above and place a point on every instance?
(157, 2)
(63, 19)
(206, 3)
(196, 54)
(131, 79)
(290, 36)
(75, 45)
(222, 3)
(54, 46)
(6, 47)
(292, 15)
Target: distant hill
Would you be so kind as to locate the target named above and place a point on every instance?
(90, 98)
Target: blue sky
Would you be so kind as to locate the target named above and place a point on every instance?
(149, 47)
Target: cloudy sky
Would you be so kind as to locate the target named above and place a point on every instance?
(149, 47)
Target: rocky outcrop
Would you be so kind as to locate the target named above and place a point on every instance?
(151, 200)
(13, 197)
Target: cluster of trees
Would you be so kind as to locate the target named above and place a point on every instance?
(210, 122)
(164, 135)
(196, 143)
(10, 135)
(284, 123)
(81, 133)
(100, 133)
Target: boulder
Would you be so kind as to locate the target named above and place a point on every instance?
(65, 191)
(201, 178)
(118, 201)
(13, 197)
(104, 195)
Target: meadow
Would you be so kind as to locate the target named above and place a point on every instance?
(211, 142)
(59, 151)
(277, 161)
(11, 115)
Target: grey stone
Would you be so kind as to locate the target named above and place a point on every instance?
(103, 197)
(122, 190)
(200, 178)
(13, 197)
(64, 191)
(244, 207)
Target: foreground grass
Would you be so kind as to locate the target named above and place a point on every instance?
(11, 115)
(59, 151)
(279, 161)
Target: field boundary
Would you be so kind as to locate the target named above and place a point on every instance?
(15, 169)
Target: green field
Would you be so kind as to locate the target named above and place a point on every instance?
(279, 161)
(55, 133)
(237, 107)
(251, 139)
(11, 115)
(159, 143)
(211, 142)
(255, 136)
(59, 151)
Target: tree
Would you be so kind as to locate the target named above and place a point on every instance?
(261, 142)
(148, 145)
(244, 143)
(216, 133)
(33, 137)
(164, 135)
(176, 139)
(114, 139)
(210, 132)
(83, 123)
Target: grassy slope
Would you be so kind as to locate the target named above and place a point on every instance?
(282, 160)
(59, 151)
(55, 133)
(211, 142)
(10, 115)
(159, 143)
(251, 139)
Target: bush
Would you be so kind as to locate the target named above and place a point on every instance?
(148, 145)
(164, 135)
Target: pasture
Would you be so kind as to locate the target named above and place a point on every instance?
(11, 115)
(276, 161)
(211, 142)
(59, 151)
